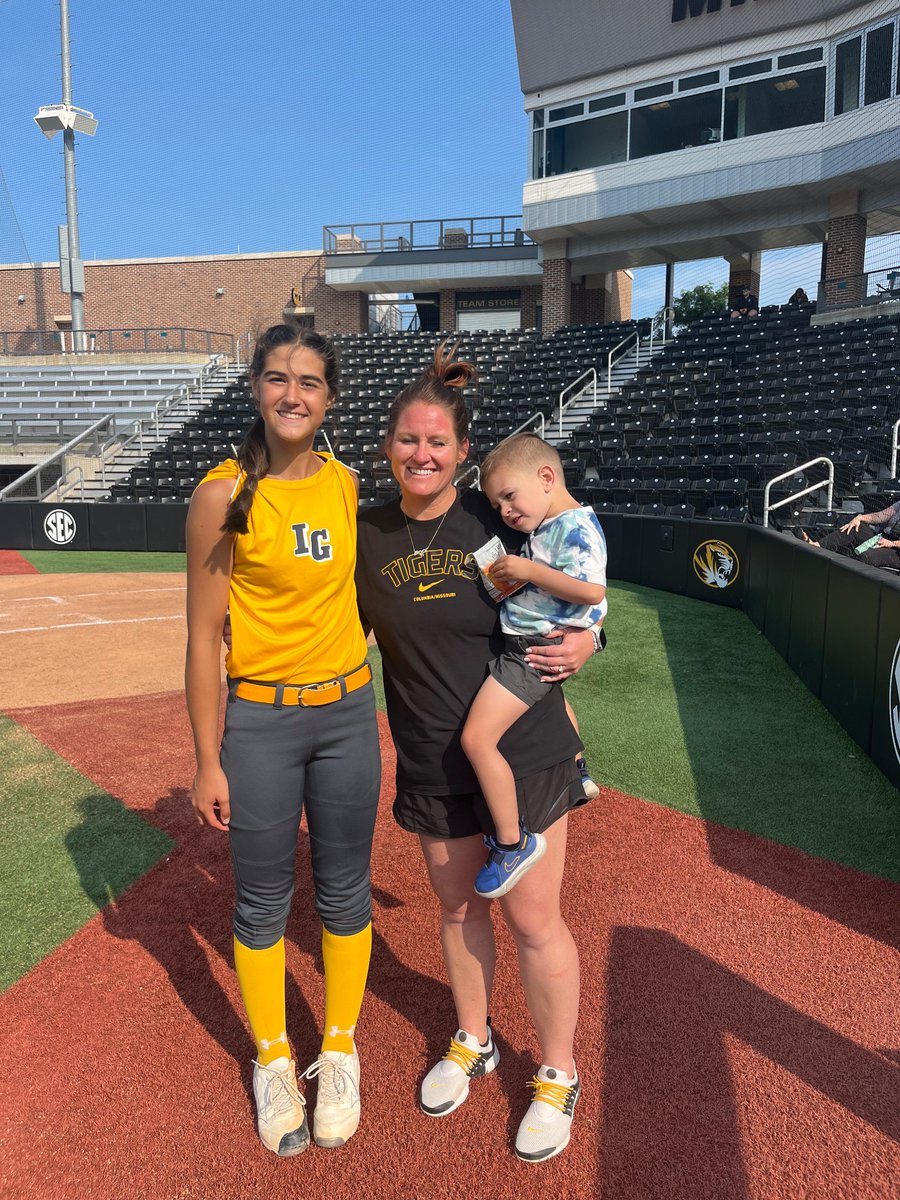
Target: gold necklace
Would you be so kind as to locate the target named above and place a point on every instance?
(420, 553)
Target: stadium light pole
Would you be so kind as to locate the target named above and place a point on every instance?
(70, 120)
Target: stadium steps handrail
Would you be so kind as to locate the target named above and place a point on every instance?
(114, 444)
(814, 487)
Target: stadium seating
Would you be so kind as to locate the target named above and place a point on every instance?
(723, 409)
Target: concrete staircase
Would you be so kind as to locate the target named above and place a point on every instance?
(578, 410)
(155, 433)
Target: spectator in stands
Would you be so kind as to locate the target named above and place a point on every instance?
(872, 538)
(798, 298)
(271, 537)
(747, 305)
(438, 630)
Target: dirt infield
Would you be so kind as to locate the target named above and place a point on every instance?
(80, 637)
(738, 1035)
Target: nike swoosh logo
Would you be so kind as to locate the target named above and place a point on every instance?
(511, 866)
(424, 587)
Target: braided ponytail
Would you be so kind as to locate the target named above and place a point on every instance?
(253, 459)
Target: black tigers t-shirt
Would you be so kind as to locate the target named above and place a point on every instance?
(437, 630)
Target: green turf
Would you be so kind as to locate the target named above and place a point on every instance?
(374, 657)
(76, 562)
(692, 708)
(67, 850)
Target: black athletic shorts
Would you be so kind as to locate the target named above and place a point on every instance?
(543, 798)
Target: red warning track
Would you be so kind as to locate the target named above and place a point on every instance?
(12, 563)
(738, 1034)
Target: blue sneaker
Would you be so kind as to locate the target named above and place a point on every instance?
(504, 868)
(590, 788)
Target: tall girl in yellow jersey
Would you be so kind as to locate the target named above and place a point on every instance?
(271, 538)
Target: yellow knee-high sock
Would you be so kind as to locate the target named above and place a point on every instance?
(261, 976)
(346, 962)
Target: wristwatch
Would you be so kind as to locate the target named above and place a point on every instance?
(599, 638)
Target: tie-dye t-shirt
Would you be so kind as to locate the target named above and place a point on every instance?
(574, 543)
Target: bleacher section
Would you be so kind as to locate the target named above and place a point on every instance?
(519, 374)
(730, 405)
(53, 403)
(724, 408)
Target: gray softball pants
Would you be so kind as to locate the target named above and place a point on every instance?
(278, 762)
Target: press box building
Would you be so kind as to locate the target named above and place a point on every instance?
(667, 130)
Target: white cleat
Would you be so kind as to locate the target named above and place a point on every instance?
(337, 1113)
(280, 1108)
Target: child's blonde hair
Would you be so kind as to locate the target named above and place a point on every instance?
(524, 450)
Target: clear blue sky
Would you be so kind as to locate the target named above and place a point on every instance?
(248, 126)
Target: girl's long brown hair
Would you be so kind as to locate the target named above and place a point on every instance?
(253, 455)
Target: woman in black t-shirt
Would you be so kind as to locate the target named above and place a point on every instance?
(437, 630)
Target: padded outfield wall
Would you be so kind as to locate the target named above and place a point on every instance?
(836, 623)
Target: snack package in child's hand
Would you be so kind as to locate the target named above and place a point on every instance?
(485, 556)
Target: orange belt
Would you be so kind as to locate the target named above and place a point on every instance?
(313, 695)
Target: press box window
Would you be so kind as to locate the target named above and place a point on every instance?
(537, 144)
(676, 124)
(761, 67)
(653, 91)
(607, 102)
(847, 60)
(799, 59)
(770, 104)
(879, 63)
(563, 114)
(698, 81)
(597, 142)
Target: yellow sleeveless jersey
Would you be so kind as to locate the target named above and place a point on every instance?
(293, 599)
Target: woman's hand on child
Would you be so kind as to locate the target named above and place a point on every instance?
(561, 661)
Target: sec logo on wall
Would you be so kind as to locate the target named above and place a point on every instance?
(716, 564)
(59, 527)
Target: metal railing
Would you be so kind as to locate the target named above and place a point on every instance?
(814, 487)
(452, 233)
(590, 374)
(895, 446)
(394, 317)
(618, 352)
(87, 440)
(474, 471)
(854, 291)
(117, 440)
(173, 340)
(78, 479)
(246, 339)
(661, 327)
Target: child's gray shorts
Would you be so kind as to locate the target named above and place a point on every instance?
(512, 671)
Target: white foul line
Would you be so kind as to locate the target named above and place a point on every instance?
(93, 624)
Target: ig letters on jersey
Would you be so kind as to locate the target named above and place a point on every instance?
(315, 544)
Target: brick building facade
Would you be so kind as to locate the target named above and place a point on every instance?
(237, 293)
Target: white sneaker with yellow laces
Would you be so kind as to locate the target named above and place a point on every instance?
(545, 1128)
(446, 1086)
